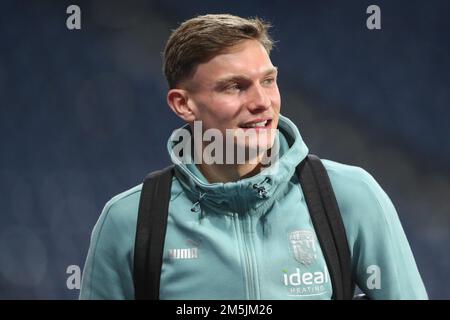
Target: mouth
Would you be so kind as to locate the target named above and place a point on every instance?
(257, 124)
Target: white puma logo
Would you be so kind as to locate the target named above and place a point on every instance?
(188, 253)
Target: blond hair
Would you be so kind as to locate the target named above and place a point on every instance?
(201, 38)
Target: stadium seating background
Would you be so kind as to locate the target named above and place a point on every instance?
(83, 116)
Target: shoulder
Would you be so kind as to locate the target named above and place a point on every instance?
(122, 209)
(123, 206)
(348, 173)
(350, 181)
(117, 219)
(360, 197)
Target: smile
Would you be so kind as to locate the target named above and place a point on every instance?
(259, 124)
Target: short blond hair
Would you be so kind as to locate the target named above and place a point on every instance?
(201, 38)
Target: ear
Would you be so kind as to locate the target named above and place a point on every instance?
(178, 100)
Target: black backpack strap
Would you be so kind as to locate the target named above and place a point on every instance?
(150, 233)
(327, 221)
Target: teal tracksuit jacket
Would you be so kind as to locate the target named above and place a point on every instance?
(236, 244)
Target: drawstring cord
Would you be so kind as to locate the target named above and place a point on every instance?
(196, 205)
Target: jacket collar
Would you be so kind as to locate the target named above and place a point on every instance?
(252, 195)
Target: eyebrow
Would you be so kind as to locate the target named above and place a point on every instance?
(234, 78)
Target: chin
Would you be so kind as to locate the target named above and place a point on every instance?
(258, 146)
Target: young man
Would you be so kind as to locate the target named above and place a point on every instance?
(242, 229)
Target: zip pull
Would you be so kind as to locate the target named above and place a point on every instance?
(262, 192)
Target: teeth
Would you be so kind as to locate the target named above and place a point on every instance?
(257, 124)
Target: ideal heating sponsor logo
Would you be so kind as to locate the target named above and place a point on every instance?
(303, 247)
(304, 284)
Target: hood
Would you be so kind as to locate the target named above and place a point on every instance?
(252, 195)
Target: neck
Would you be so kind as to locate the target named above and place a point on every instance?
(228, 172)
(225, 172)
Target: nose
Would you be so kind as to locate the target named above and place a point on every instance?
(258, 99)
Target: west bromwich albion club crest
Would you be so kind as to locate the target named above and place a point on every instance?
(303, 246)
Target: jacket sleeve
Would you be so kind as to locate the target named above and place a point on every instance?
(383, 264)
(107, 272)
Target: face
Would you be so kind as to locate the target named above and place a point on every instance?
(235, 90)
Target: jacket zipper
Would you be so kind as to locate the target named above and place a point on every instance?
(249, 258)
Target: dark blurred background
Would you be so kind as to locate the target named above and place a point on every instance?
(83, 116)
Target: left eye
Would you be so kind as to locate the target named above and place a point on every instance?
(269, 81)
(234, 87)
